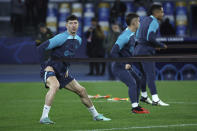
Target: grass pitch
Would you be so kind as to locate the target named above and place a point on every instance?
(21, 107)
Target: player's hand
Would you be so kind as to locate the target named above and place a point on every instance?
(165, 46)
(127, 66)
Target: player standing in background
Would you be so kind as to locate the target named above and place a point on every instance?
(43, 34)
(124, 47)
(56, 74)
(111, 38)
(146, 46)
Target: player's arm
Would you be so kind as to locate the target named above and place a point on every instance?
(157, 44)
(132, 42)
(48, 45)
(115, 51)
(41, 50)
(121, 41)
(152, 34)
(118, 46)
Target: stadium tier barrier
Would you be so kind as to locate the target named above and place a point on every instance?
(23, 51)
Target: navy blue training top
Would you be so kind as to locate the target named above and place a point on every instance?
(62, 45)
(147, 31)
(124, 45)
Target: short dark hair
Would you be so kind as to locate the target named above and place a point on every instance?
(71, 17)
(154, 7)
(130, 17)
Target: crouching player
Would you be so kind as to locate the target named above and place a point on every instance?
(124, 47)
(56, 74)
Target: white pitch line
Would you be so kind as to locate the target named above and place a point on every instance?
(187, 103)
(141, 127)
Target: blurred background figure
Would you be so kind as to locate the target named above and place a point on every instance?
(17, 15)
(108, 44)
(117, 12)
(31, 15)
(166, 29)
(89, 47)
(41, 6)
(43, 34)
(95, 38)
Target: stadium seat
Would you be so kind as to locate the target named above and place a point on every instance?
(168, 72)
(188, 72)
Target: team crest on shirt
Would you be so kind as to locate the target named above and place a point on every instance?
(71, 48)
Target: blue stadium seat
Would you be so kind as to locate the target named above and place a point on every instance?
(169, 72)
(64, 12)
(103, 16)
(188, 72)
(88, 15)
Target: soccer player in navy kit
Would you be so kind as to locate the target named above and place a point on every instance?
(56, 73)
(124, 47)
(146, 46)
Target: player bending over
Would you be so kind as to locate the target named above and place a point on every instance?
(56, 74)
(124, 48)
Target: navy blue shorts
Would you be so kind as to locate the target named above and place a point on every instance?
(60, 72)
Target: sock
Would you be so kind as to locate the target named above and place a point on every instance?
(45, 112)
(144, 94)
(134, 105)
(93, 111)
(155, 98)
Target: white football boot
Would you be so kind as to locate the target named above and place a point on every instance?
(159, 103)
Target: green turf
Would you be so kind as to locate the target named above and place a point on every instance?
(21, 107)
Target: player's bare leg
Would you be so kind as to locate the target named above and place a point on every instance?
(53, 85)
(75, 87)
